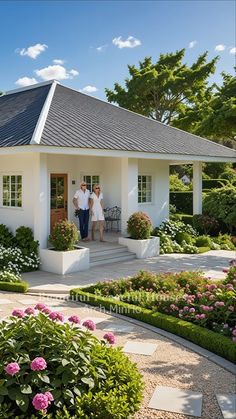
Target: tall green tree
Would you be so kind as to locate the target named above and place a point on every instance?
(215, 116)
(165, 89)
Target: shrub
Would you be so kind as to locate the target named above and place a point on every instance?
(205, 224)
(176, 184)
(13, 260)
(58, 370)
(186, 218)
(221, 204)
(203, 241)
(139, 226)
(225, 242)
(64, 235)
(214, 183)
(183, 201)
(14, 286)
(24, 239)
(6, 276)
(6, 237)
(183, 236)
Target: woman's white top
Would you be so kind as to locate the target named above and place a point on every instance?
(97, 211)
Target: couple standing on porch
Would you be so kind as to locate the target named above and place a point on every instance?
(86, 202)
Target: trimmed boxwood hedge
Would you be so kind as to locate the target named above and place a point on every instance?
(14, 286)
(214, 183)
(214, 342)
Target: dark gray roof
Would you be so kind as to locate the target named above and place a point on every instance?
(19, 113)
(77, 120)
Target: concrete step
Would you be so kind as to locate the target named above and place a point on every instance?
(107, 251)
(121, 257)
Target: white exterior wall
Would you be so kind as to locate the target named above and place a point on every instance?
(158, 209)
(19, 164)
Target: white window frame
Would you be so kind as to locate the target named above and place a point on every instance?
(151, 189)
(6, 173)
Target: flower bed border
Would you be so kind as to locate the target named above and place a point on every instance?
(14, 286)
(212, 341)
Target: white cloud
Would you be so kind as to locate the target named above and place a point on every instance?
(33, 51)
(232, 50)
(89, 89)
(74, 72)
(57, 72)
(56, 61)
(101, 48)
(220, 47)
(25, 81)
(192, 44)
(130, 42)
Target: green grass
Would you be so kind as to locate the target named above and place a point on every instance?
(214, 342)
(203, 249)
(14, 286)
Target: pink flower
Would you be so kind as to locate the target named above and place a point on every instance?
(186, 308)
(231, 308)
(234, 339)
(225, 326)
(40, 401)
(234, 332)
(199, 295)
(38, 364)
(89, 324)
(212, 287)
(110, 338)
(18, 313)
(40, 306)
(29, 310)
(12, 368)
(54, 315)
(46, 310)
(219, 304)
(49, 396)
(74, 319)
(192, 310)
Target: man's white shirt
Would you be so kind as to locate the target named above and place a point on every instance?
(82, 199)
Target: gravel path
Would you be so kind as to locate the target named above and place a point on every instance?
(171, 365)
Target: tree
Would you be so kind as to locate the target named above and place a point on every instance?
(215, 116)
(221, 204)
(165, 89)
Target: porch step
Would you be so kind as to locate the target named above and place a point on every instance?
(110, 254)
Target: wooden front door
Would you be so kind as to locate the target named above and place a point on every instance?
(58, 195)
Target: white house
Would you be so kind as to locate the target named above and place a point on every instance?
(52, 137)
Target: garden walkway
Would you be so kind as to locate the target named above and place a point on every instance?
(211, 263)
(177, 379)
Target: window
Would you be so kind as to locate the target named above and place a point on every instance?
(91, 180)
(144, 189)
(12, 191)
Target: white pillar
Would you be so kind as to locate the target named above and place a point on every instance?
(197, 187)
(161, 192)
(129, 190)
(40, 195)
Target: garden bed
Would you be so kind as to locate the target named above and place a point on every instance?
(167, 302)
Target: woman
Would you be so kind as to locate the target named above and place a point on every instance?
(96, 207)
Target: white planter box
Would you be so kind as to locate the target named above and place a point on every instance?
(64, 262)
(146, 248)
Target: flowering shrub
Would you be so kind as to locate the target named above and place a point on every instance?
(6, 276)
(186, 295)
(55, 369)
(13, 260)
(139, 226)
(64, 235)
(205, 224)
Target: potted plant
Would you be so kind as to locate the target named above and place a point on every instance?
(139, 227)
(64, 256)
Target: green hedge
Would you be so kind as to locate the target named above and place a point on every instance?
(214, 183)
(186, 218)
(183, 201)
(14, 286)
(214, 342)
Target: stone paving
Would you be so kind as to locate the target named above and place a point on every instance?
(178, 381)
(211, 263)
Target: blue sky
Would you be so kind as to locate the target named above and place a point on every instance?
(126, 31)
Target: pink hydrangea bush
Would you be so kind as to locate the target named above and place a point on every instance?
(47, 363)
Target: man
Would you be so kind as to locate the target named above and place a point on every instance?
(81, 202)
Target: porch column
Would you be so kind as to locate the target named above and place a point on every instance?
(40, 196)
(197, 187)
(129, 190)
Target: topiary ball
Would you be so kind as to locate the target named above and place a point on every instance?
(139, 226)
